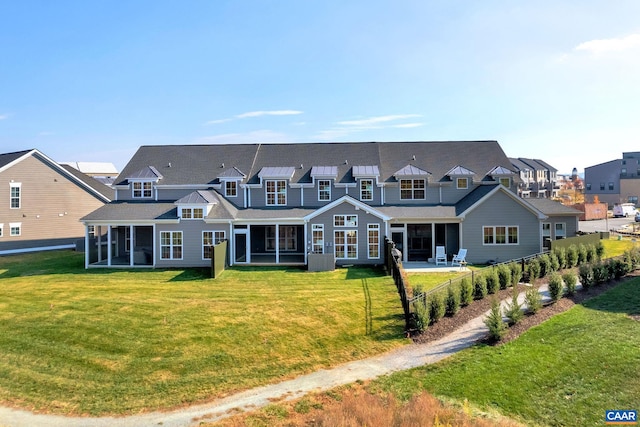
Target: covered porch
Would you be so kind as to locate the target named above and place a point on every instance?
(269, 244)
(417, 241)
(119, 246)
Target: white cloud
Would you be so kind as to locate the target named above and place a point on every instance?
(408, 125)
(215, 122)
(268, 113)
(372, 121)
(602, 46)
(4, 116)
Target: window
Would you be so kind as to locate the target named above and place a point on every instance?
(276, 192)
(345, 220)
(14, 199)
(317, 238)
(171, 245)
(500, 235)
(91, 229)
(366, 189)
(15, 228)
(462, 183)
(231, 188)
(127, 239)
(346, 244)
(373, 240)
(324, 190)
(623, 171)
(602, 186)
(506, 182)
(141, 189)
(209, 239)
(546, 229)
(412, 189)
(192, 213)
(611, 186)
(1, 228)
(287, 238)
(561, 230)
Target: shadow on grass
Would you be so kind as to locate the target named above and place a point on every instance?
(623, 298)
(389, 327)
(363, 272)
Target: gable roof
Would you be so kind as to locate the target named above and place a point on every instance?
(201, 164)
(90, 185)
(410, 170)
(460, 170)
(484, 192)
(552, 207)
(348, 199)
(92, 182)
(199, 197)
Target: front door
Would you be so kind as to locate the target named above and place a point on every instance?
(240, 244)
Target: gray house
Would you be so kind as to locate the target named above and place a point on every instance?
(281, 203)
(615, 181)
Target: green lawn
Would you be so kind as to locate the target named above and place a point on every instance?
(564, 372)
(123, 341)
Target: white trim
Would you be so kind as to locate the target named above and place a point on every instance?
(38, 249)
(506, 235)
(541, 216)
(171, 245)
(355, 203)
(318, 194)
(373, 227)
(275, 192)
(13, 225)
(346, 245)
(466, 180)
(361, 182)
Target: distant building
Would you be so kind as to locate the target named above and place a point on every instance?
(103, 172)
(615, 181)
(538, 178)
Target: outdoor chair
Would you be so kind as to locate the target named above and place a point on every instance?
(460, 258)
(441, 255)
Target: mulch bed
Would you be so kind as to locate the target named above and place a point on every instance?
(446, 325)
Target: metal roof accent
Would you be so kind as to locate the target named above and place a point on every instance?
(199, 197)
(149, 172)
(410, 170)
(233, 172)
(459, 170)
(329, 171)
(499, 170)
(358, 171)
(277, 172)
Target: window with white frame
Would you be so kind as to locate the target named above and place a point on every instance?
(506, 181)
(317, 238)
(231, 188)
(345, 220)
(462, 183)
(500, 235)
(15, 195)
(373, 240)
(346, 244)
(546, 229)
(171, 245)
(142, 189)
(209, 240)
(1, 230)
(561, 230)
(412, 189)
(191, 213)
(91, 230)
(366, 189)
(276, 192)
(15, 228)
(324, 190)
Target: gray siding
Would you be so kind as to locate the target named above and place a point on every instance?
(364, 219)
(500, 210)
(191, 243)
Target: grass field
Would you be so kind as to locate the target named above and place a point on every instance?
(564, 372)
(78, 341)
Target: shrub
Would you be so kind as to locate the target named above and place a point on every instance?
(493, 282)
(572, 256)
(479, 287)
(586, 276)
(570, 280)
(436, 308)
(555, 262)
(582, 254)
(561, 254)
(591, 253)
(504, 276)
(494, 322)
(545, 265)
(452, 303)
(516, 273)
(513, 309)
(600, 250)
(600, 273)
(533, 270)
(466, 292)
(421, 315)
(533, 300)
(556, 288)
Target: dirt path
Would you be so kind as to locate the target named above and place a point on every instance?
(406, 357)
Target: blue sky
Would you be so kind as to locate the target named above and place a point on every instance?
(94, 80)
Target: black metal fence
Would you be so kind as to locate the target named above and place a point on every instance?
(393, 265)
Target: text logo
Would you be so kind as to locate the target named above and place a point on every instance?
(621, 417)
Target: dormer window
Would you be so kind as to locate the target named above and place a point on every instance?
(366, 189)
(142, 189)
(412, 189)
(324, 190)
(191, 213)
(506, 181)
(231, 188)
(462, 183)
(276, 192)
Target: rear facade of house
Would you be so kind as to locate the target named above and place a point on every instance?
(288, 203)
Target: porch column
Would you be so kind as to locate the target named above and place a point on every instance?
(154, 251)
(433, 239)
(86, 246)
(277, 244)
(131, 245)
(306, 242)
(99, 228)
(109, 245)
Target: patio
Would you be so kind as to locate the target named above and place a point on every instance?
(431, 267)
